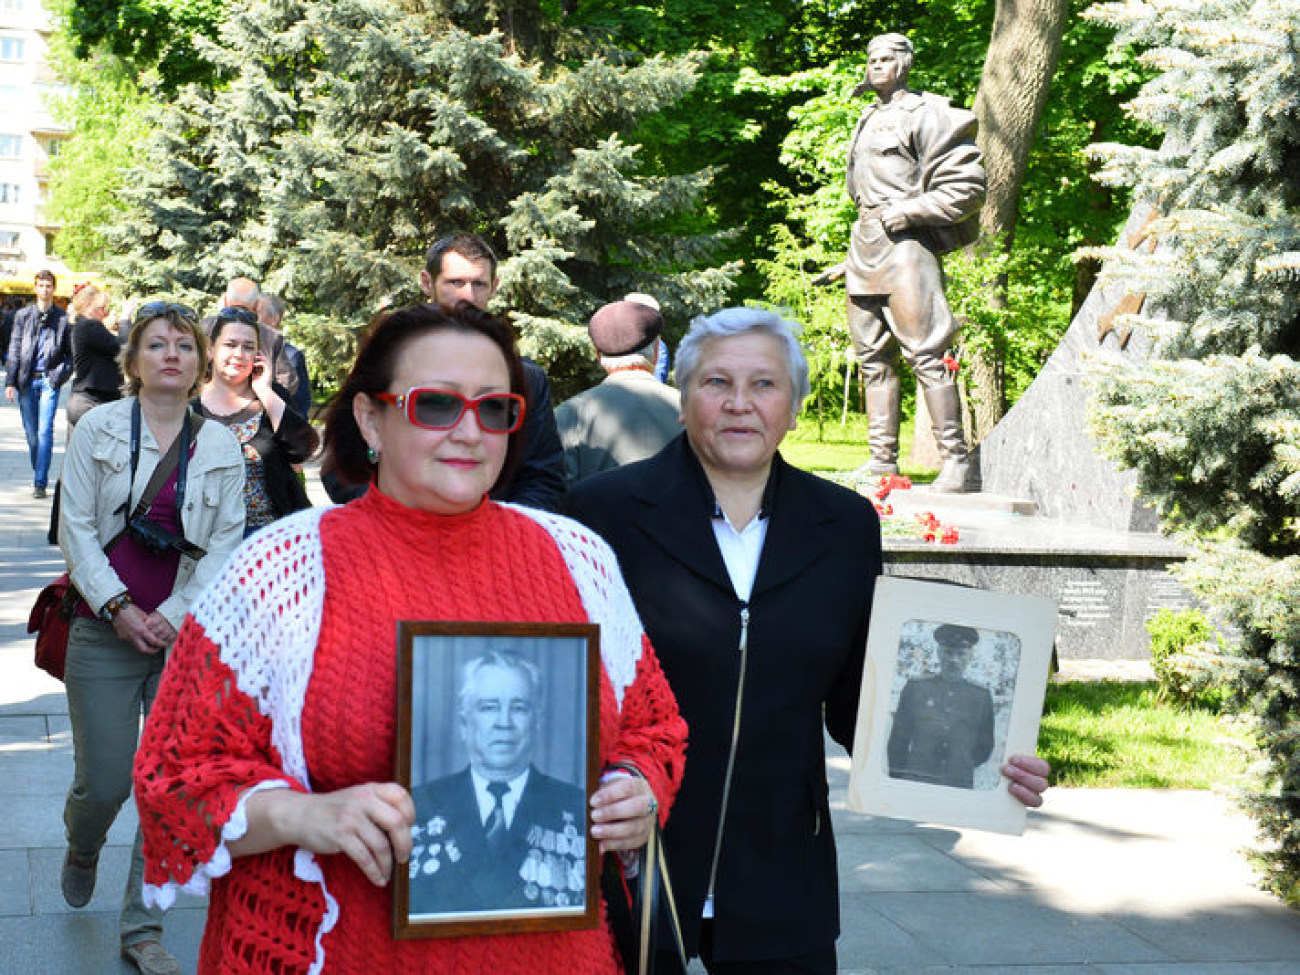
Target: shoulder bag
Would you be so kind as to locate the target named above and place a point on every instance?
(51, 616)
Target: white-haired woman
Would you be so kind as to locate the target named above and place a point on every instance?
(754, 580)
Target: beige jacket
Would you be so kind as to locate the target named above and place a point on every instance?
(96, 475)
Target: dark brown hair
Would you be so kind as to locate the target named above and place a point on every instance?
(376, 363)
(472, 247)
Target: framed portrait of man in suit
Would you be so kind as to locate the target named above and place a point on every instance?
(953, 685)
(497, 743)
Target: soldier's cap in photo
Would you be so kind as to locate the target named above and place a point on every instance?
(953, 635)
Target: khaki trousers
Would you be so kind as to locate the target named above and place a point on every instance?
(110, 687)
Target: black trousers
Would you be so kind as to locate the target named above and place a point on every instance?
(820, 962)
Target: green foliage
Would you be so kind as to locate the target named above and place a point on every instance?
(1212, 427)
(1120, 735)
(821, 312)
(330, 347)
(1017, 328)
(1190, 659)
(107, 112)
(351, 134)
(159, 35)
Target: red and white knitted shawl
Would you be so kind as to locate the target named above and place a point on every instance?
(263, 613)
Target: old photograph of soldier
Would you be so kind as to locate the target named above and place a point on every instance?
(953, 685)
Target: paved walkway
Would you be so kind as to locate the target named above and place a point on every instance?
(1102, 882)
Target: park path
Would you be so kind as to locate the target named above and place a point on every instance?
(1103, 882)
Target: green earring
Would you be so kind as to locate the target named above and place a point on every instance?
(372, 455)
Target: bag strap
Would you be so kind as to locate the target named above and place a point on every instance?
(674, 919)
(656, 890)
(176, 458)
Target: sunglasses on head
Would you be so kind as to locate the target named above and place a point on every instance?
(233, 313)
(441, 409)
(161, 309)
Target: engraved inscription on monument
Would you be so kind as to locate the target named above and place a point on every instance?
(1084, 602)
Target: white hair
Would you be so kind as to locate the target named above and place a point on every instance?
(744, 321)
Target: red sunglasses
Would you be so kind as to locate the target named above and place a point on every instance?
(441, 409)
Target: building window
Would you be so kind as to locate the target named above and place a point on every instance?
(11, 6)
(9, 240)
(11, 48)
(11, 146)
(8, 192)
(49, 245)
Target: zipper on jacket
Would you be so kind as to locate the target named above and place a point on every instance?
(731, 757)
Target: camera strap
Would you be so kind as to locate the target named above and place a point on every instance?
(177, 458)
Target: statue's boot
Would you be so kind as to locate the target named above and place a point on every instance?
(882, 430)
(945, 418)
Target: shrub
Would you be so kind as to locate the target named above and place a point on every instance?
(1191, 660)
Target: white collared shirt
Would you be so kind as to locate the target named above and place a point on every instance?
(740, 550)
(509, 801)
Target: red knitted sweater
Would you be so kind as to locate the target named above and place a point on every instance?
(340, 579)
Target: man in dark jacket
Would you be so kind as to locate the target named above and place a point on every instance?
(498, 834)
(38, 363)
(463, 267)
(754, 582)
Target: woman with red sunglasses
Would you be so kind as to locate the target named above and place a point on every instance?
(269, 759)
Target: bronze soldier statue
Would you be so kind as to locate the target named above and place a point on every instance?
(916, 175)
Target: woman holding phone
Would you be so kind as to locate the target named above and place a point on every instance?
(242, 394)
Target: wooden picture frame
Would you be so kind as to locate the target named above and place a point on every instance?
(953, 685)
(532, 699)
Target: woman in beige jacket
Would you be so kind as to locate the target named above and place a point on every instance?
(139, 549)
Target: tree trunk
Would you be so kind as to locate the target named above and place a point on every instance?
(1023, 50)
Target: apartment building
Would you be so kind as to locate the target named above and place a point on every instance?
(29, 137)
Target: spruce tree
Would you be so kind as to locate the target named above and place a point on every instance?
(347, 135)
(1212, 424)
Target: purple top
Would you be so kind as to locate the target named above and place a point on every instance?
(148, 577)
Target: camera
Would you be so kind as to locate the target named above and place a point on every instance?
(150, 536)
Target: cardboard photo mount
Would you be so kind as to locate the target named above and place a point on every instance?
(1011, 660)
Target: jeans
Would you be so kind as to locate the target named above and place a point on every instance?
(39, 404)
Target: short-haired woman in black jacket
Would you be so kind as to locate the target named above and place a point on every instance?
(96, 374)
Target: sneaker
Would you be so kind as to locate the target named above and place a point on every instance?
(151, 958)
(78, 880)
(38, 492)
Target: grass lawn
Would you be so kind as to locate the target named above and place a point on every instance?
(843, 448)
(1116, 734)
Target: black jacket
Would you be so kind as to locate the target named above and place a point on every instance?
(57, 341)
(539, 480)
(292, 443)
(548, 823)
(776, 892)
(94, 354)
